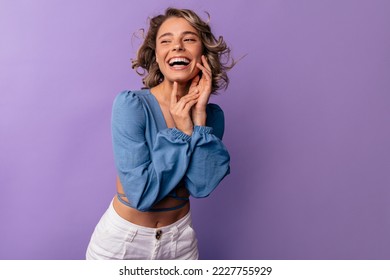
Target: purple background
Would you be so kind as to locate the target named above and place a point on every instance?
(308, 114)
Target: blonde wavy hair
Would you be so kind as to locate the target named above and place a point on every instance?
(216, 50)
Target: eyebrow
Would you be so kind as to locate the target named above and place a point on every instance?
(184, 33)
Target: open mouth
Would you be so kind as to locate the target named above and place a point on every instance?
(179, 62)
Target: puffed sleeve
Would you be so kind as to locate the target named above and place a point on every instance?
(210, 159)
(148, 174)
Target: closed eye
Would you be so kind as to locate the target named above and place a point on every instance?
(189, 40)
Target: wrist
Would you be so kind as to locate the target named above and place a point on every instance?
(203, 129)
(199, 119)
(188, 130)
(181, 135)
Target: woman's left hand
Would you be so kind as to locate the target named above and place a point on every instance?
(203, 86)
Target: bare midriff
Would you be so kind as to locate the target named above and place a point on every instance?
(152, 219)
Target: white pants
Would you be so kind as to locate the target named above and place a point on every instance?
(117, 238)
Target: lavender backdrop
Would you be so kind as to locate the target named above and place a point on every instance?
(308, 114)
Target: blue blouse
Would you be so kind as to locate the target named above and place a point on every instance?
(152, 159)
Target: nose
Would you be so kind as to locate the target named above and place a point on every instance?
(178, 46)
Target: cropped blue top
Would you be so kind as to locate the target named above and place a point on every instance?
(152, 159)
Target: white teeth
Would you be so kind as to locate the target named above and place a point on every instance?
(178, 59)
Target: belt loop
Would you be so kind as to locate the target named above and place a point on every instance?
(174, 238)
(131, 235)
(175, 232)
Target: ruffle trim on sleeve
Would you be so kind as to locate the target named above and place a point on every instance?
(180, 135)
(203, 129)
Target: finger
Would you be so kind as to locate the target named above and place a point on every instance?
(195, 81)
(193, 91)
(189, 97)
(204, 69)
(194, 84)
(182, 103)
(189, 105)
(206, 63)
(206, 73)
(174, 94)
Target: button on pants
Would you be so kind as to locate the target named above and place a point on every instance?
(117, 238)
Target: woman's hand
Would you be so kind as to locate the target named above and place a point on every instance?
(180, 109)
(203, 86)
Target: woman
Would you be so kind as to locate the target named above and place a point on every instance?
(167, 143)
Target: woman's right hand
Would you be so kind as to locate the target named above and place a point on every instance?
(180, 109)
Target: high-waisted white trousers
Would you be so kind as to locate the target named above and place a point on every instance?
(117, 238)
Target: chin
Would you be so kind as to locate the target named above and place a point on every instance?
(182, 79)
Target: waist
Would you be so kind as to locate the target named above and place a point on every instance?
(151, 219)
(117, 220)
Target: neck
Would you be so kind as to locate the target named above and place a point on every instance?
(164, 90)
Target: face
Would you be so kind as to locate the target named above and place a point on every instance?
(178, 50)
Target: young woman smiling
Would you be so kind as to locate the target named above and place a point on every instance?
(167, 142)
